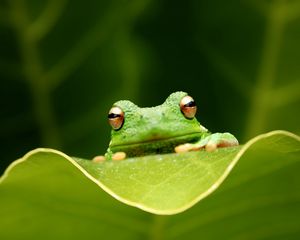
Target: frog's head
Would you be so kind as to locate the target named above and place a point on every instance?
(139, 131)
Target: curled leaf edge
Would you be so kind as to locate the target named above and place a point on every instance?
(141, 206)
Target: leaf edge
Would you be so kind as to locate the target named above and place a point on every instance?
(143, 207)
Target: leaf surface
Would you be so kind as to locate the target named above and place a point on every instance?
(254, 182)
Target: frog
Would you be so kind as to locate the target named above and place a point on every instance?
(171, 127)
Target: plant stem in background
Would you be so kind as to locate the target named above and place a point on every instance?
(158, 227)
(34, 73)
(260, 102)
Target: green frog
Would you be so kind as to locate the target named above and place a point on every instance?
(168, 128)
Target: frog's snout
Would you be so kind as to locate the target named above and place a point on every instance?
(155, 127)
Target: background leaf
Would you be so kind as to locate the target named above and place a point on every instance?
(52, 196)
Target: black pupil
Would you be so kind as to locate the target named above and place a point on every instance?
(113, 115)
(190, 104)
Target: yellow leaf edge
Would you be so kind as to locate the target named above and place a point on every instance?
(142, 206)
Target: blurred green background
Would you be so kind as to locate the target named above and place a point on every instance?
(64, 63)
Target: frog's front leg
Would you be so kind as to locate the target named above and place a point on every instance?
(210, 143)
(221, 140)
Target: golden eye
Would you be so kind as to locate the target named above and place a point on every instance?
(116, 118)
(188, 107)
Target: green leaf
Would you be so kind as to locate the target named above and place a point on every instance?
(48, 188)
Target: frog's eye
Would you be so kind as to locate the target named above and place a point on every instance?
(116, 118)
(188, 107)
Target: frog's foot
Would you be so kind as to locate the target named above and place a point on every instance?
(186, 147)
(114, 156)
(210, 143)
(218, 140)
(118, 156)
(98, 159)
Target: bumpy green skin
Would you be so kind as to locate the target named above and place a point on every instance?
(158, 129)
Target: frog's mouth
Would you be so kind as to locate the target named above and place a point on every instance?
(155, 145)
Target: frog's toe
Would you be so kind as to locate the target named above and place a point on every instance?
(118, 156)
(98, 159)
(227, 140)
(228, 143)
(211, 146)
(182, 148)
(187, 147)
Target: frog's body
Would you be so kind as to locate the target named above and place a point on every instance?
(170, 127)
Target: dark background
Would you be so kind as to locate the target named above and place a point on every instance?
(64, 63)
